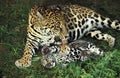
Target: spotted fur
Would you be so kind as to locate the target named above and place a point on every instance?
(82, 21)
(75, 51)
(56, 23)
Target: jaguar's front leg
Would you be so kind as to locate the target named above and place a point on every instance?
(29, 51)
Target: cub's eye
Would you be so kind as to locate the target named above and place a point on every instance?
(45, 50)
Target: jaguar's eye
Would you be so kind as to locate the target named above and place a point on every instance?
(50, 33)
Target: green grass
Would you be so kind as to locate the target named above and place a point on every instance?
(13, 23)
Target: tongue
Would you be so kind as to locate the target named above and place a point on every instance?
(64, 42)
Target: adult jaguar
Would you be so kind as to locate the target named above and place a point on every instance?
(62, 24)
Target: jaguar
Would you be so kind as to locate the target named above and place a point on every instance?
(78, 50)
(63, 24)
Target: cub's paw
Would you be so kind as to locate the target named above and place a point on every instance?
(47, 62)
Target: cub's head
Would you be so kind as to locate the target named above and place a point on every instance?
(48, 59)
(48, 23)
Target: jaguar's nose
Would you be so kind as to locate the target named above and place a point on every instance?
(57, 39)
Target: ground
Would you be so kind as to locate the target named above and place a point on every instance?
(13, 23)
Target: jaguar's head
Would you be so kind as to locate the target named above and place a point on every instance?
(49, 23)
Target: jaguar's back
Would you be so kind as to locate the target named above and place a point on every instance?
(81, 21)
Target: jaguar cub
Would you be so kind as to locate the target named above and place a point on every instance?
(61, 24)
(75, 51)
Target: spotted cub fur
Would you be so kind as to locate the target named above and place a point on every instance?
(75, 51)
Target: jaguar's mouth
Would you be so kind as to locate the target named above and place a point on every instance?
(58, 40)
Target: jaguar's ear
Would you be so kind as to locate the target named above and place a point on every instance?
(40, 16)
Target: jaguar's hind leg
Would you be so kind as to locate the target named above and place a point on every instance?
(101, 36)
